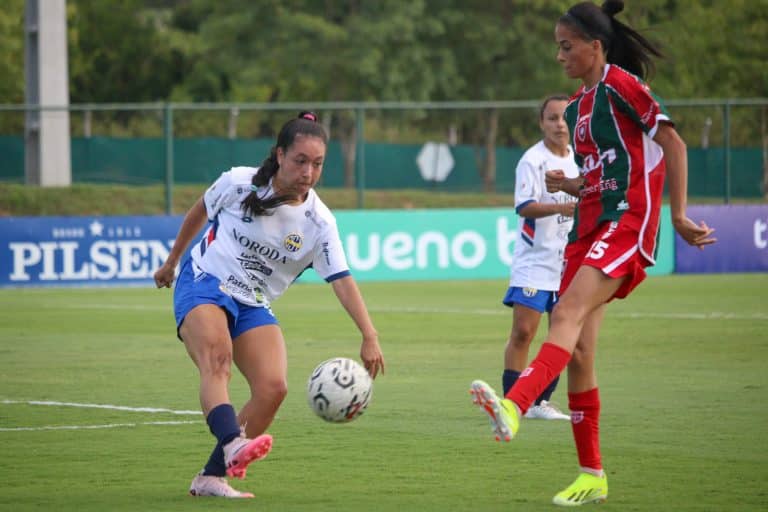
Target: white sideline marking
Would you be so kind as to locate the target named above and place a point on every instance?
(102, 406)
(98, 406)
(712, 315)
(92, 427)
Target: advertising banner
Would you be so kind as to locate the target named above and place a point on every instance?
(742, 240)
(381, 245)
(93, 251)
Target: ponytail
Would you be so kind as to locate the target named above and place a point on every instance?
(623, 46)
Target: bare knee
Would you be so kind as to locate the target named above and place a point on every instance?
(578, 358)
(521, 337)
(582, 360)
(273, 391)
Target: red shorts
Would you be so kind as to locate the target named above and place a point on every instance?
(613, 248)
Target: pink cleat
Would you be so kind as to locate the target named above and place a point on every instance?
(241, 451)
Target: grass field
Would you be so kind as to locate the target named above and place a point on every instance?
(682, 369)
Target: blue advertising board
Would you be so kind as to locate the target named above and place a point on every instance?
(742, 240)
(61, 251)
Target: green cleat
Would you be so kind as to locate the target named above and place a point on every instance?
(587, 488)
(505, 419)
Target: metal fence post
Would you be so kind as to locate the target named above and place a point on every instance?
(360, 158)
(168, 135)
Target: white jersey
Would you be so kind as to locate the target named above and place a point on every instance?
(538, 256)
(256, 258)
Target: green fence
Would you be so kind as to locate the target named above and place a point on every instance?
(193, 143)
(388, 166)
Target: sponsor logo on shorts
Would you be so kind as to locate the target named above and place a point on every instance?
(530, 292)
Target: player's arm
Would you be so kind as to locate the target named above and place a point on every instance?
(557, 182)
(676, 158)
(349, 296)
(536, 210)
(193, 222)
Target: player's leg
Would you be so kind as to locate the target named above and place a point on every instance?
(260, 354)
(526, 317)
(581, 369)
(205, 332)
(584, 402)
(589, 289)
(528, 304)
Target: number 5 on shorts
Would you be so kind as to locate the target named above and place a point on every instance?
(597, 250)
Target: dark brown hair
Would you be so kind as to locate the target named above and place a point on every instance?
(551, 97)
(304, 124)
(623, 45)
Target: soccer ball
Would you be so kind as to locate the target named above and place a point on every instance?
(339, 390)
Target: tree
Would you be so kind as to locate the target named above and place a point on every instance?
(12, 52)
(506, 52)
(117, 53)
(308, 51)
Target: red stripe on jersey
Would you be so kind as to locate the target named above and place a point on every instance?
(590, 208)
(528, 229)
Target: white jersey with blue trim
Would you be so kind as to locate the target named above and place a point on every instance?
(537, 260)
(256, 258)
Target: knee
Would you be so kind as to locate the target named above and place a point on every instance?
(521, 336)
(273, 390)
(581, 358)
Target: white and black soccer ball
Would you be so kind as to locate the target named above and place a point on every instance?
(339, 390)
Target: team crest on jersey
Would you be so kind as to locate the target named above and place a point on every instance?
(293, 242)
(581, 128)
(530, 292)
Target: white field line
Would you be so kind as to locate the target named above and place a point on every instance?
(101, 406)
(93, 427)
(97, 406)
(712, 315)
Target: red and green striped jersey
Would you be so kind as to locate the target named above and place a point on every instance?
(612, 126)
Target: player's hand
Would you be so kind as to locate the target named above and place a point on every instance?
(696, 235)
(569, 208)
(554, 180)
(165, 275)
(372, 357)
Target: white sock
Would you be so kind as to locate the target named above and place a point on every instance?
(596, 472)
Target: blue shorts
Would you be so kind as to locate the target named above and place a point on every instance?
(540, 300)
(191, 292)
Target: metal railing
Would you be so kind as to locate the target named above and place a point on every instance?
(724, 108)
